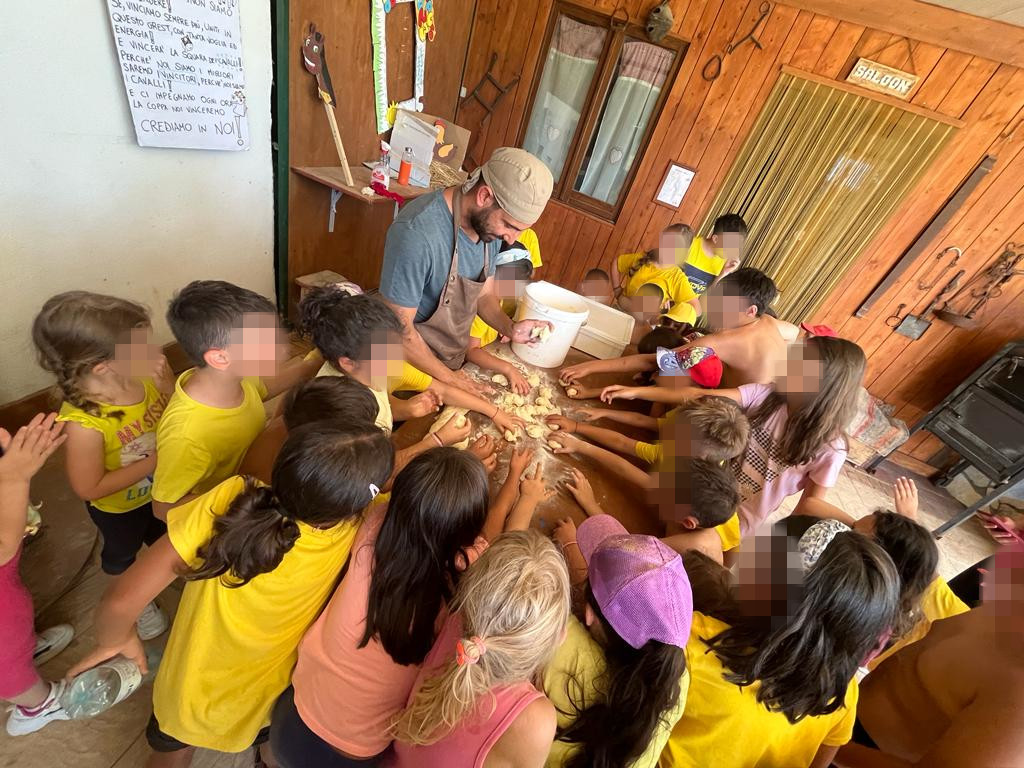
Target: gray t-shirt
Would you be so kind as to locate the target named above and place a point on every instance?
(418, 255)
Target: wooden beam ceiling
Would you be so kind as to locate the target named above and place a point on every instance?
(933, 24)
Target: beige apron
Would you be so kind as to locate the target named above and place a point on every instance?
(446, 331)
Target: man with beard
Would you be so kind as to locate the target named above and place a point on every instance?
(439, 260)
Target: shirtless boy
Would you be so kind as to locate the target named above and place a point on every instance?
(749, 342)
(953, 698)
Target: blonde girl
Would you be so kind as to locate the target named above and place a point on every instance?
(114, 384)
(475, 704)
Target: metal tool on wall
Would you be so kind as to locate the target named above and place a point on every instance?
(931, 280)
(914, 326)
(986, 285)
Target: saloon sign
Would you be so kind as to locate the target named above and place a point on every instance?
(878, 77)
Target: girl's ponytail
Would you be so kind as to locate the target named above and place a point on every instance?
(251, 538)
(513, 604)
(323, 476)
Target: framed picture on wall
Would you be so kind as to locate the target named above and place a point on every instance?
(674, 185)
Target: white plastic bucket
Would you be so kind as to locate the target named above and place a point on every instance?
(567, 313)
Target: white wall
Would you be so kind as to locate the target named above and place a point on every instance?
(82, 206)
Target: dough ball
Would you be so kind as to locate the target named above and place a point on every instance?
(511, 435)
(554, 427)
(447, 415)
(554, 444)
(541, 332)
(518, 400)
(572, 391)
(546, 392)
(542, 402)
(533, 380)
(499, 379)
(535, 431)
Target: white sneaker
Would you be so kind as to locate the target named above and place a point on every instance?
(52, 641)
(152, 623)
(25, 721)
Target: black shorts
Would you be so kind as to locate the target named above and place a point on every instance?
(296, 746)
(161, 742)
(124, 533)
(861, 736)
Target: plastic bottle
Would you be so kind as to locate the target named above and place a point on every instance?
(382, 171)
(98, 689)
(405, 167)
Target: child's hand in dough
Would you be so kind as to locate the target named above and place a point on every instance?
(424, 403)
(451, 433)
(505, 421)
(517, 382)
(485, 449)
(562, 423)
(520, 460)
(581, 489)
(532, 486)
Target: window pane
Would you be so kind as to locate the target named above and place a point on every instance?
(636, 86)
(569, 68)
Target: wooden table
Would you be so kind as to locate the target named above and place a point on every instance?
(616, 496)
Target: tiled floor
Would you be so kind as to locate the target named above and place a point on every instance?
(60, 568)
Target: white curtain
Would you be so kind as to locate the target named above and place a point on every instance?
(634, 93)
(568, 71)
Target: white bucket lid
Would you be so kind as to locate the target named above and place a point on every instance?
(558, 302)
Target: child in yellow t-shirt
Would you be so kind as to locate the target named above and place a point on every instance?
(115, 384)
(510, 280)
(260, 563)
(632, 271)
(791, 694)
(233, 336)
(619, 681)
(360, 336)
(706, 260)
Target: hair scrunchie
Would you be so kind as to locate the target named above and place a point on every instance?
(469, 651)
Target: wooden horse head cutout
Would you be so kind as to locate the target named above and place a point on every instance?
(315, 61)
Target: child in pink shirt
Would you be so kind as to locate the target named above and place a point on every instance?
(797, 440)
(36, 701)
(358, 662)
(475, 704)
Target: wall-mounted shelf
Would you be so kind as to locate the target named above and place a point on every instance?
(333, 178)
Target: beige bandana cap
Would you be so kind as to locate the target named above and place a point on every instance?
(520, 182)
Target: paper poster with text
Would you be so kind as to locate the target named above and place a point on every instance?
(182, 67)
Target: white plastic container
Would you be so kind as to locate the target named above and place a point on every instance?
(607, 333)
(566, 311)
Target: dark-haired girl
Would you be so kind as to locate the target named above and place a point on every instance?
(772, 666)
(359, 661)
(260, 562)
(360, 336)
(925, 597)
(619, 681)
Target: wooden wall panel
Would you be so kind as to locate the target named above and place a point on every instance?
(703, 125)
(356, 245)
